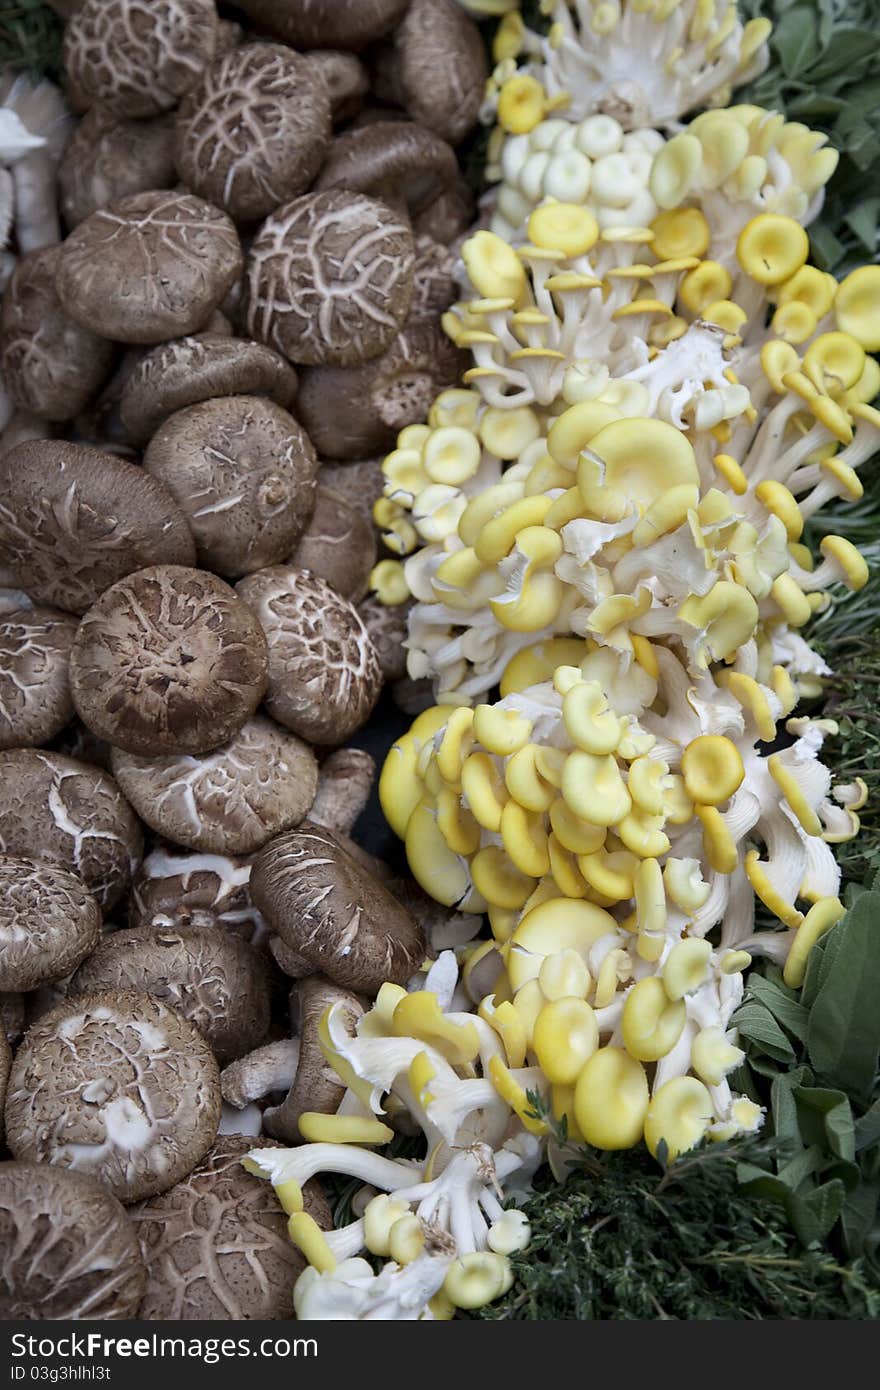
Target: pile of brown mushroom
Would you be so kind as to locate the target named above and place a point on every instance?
(261, 219)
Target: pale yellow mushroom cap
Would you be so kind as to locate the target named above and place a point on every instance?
(554, 925)
(676, 170)
(834, 362)
(857, 306)
(704, 285)
(564, 975)
(565, 1036)
(680, 1113)
(521, 104)
(680, 232)
(476, 1279)
(726, 616)
(634, 460)
(770, 248)
(318, 1128)
(563, 227)
(652, 1023)
(494, 267)
(594, 789)
(686, 967)
(852, 565)
(712, 1056)
(713, 769)
(821, 917)
(400, 786)
(611, 1099)
(307, 1235)
(436, 868)
(418, 1015)
(590, 724)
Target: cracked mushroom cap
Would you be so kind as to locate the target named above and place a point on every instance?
(74, 814)
(230, 801)
(5, 1068)
(353, 411)
(149, 267)
(109, 157)
(139, 57)
(49, 923)
(212, 978)
(388, 627)
(349, 24)
(404, 164)
(67, 1248)
(176, 889)
(189, 370)
(324, 677)
(216, 1245)
(330, 278)
(74, 520)
(255, 130)
(116, 1085)
(51, 365)
(168, 660)
(345, 79)
(35, 701)
(435, 67)
(359, 482)
(243, 473)
(339, 546)
(330, 910)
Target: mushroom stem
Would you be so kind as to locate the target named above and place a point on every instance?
(344, 784)
(315, 1087)
(267, 1069)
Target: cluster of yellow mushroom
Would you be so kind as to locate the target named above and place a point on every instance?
(603, 532)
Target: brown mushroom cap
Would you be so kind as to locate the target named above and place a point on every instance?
(212, 978)
(168, 661)
(346, 81)
(404, 164)
(35, 702)
(189, 370)
(435, 286)
(49, 922)
(435, 67)
(230, 801)
(331, 911)
(116, 1085)
(67, 1248)
(109, 157)
(339, 546)
(73, 520)
(350, 412)
(51, 365)
(243, 473)
(324, 677)
(149, 267)
(216, 1245)
(254, 131)
(138, 57)
(325, 23)
(74, 815)
(5, 1068)
(388, 629)
(330, 278)
(360, 483)
(175, 889)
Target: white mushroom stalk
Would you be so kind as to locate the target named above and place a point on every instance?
(642, 63)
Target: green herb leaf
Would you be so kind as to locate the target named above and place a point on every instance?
(782, 1004)
(813, 1214)
(825, 1119)
(757, 1025)
(843, 1038)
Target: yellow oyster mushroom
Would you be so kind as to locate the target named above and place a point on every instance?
(522, 103)
(834, 362)
(756, 873)
(524, 836)
(501, 731)
(555, 925)
(794, 322)
(400, 786)
(494, 268)
(651, 1023)
(563, 227)
(850, 563)
(484, 790)
(676, 171)
(680, 232)
(476, 1279)
(611, 874)
(703, 285)
(791, 789)
(565, 1036)
(686, 967)
(712, 1056)
(779, 500)
(541, 593)
(455, 745)
(535, 664)
(594, 789)
(857, 306)
(436, 868)
(306, 1234)
(770, 248)
(388, 583)
(526, 781)
(713, 769)
(821, 917)
(318, 1128)
(611, 1099)
(508, 433)
(643, 834)
(685, 884)
(680, 1113)
(406, 1239)
(564, 975)
(573, 430)
(510, 1090)
(719, 845)
(456, 824)
(451, 455)
(726, 617)
(498, 880)
(650, 896)
(575, 835)
(589, 722)
(633, 460)
(506, 1021)
(418, 1015)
